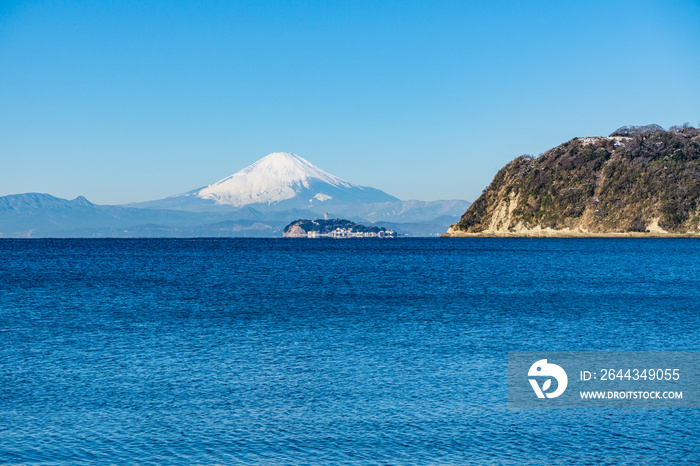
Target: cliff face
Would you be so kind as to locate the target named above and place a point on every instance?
(636, 182)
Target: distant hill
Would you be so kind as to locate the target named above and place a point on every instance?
(639, 181)
(37, 215)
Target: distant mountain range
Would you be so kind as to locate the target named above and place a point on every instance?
(256, 201)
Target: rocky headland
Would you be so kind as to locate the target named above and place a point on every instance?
(637, 182)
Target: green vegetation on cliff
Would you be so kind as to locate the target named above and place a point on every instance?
(638, 178)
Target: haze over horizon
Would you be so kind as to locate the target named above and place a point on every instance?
(138, 101)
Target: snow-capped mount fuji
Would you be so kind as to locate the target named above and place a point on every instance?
(282, 187)
(278, 181)
(281, 176)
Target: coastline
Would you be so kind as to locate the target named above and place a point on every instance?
(563, 233)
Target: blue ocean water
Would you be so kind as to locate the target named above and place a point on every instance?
(276, 351)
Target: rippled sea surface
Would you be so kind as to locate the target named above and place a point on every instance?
(275, 351)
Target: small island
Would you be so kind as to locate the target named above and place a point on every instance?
(334, 228)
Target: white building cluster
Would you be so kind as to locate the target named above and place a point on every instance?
(348, 233)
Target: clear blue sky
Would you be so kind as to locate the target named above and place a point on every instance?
(128, 101)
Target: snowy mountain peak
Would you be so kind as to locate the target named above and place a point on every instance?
(274, 178)
(289, 168)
